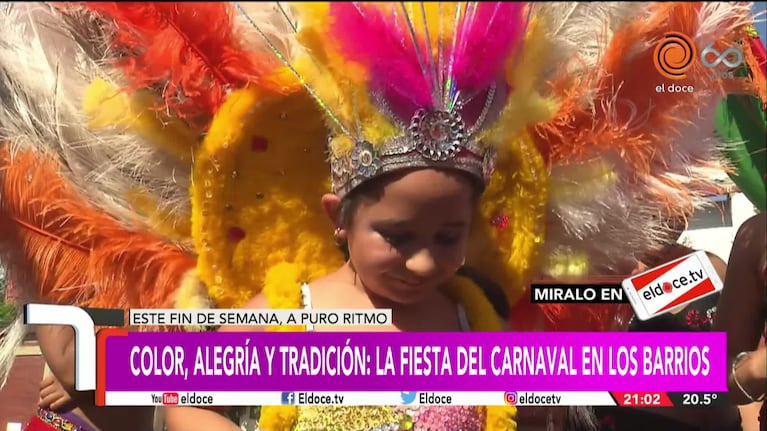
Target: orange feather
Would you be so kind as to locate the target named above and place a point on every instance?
(629, 118)
(62, 250)
(191, 50)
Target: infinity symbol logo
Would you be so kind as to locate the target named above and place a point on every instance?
(731, 57)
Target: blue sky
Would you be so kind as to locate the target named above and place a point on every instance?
(761, 27)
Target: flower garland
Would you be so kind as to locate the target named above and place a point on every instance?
(281, 296)
(479, 310)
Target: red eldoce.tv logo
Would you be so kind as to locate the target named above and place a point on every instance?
(674, 284)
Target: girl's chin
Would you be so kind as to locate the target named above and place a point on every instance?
(406, 294)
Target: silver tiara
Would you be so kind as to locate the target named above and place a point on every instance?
(434, 139)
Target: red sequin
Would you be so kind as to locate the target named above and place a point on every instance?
(258, 144)
(607, 423)
(236, 234)
(500, 221)
(694, 319)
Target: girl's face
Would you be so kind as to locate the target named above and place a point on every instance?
(404, 245)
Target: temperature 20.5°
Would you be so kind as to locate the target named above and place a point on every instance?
(698, 399)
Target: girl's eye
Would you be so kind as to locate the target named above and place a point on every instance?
(397, 239)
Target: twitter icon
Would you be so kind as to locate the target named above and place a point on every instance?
(408, 397)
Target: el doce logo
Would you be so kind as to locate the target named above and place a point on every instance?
(676, 53)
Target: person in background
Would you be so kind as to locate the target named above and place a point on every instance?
(749, 413)
(62, 407)
(694, 317)
(742, 315)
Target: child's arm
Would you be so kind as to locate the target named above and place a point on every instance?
(57, 344)
(53, 395)
(196, 419)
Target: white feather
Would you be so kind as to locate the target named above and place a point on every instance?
(275, 20)
(611, 227)
(11, 338)
(718, 19)
(621, 223)
(580, 32)
(45, 73)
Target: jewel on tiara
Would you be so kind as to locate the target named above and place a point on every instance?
(365, 160)
(438, 135)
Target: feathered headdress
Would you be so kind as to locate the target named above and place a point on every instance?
(434, 100)
(462, 97)
(599, 159)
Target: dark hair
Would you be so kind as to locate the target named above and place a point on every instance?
(580, 418)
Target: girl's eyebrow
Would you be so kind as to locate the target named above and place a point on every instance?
(391, 223)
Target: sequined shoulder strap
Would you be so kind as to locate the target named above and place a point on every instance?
(306, 300)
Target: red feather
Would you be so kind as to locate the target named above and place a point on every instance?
(189, 49)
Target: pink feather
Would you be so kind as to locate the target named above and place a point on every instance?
(486, 38)
(366, 36)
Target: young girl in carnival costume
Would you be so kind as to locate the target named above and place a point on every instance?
(507, 138)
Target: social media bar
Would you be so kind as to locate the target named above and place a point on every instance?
(405, 398)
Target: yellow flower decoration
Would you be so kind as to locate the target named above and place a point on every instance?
(257, 178)
(482, 318)
(508, 232)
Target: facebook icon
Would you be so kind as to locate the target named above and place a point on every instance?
(288, 398)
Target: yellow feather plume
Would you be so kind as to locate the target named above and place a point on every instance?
(107, 105)
(171, 226)
(340, 83)
(525, 104)
(511, 217)
(580, 182)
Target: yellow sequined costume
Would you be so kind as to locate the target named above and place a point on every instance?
(162, 154)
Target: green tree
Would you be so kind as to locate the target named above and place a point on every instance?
(3, 281)
(7, 311)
